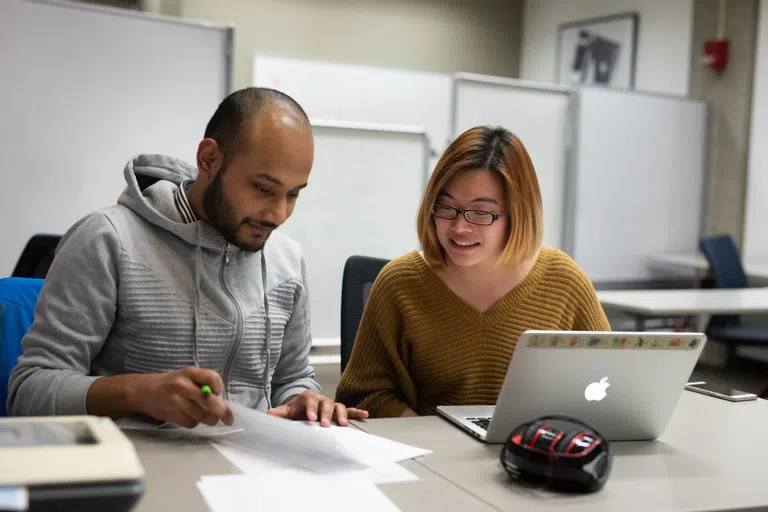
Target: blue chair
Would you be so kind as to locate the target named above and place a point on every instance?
(728, 272)
(18, 297)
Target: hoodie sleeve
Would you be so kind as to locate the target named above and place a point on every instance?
(73, 316)
(293, 374)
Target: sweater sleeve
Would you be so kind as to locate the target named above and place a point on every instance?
(376, 378)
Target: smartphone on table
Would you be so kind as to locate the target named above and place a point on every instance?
(720, 391)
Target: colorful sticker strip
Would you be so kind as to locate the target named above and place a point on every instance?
(650, 341)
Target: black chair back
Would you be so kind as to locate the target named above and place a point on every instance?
(359, 274)
(37, 256)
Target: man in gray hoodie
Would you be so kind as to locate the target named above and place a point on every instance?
(185, 283)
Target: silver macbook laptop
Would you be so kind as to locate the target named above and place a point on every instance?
(624, 384)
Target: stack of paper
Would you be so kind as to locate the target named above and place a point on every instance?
(312, 447)
(292, 465)
(289, 490)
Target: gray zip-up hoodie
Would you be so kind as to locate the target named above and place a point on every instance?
(133, 289)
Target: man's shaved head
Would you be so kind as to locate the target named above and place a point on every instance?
(229, 124)
(254, 160)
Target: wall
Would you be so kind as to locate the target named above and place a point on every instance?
(729, 94)
(480, 36)
(664, 38)
(755, 238)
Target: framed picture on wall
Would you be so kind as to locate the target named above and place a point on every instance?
(599, 51)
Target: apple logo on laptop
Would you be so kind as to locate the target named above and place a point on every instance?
(595, 391)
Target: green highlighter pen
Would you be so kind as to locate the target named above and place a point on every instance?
(206, 391)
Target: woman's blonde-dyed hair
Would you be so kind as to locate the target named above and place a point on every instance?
(502, 153)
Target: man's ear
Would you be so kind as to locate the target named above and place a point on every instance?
(209, 159)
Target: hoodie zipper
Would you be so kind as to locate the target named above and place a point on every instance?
(238, 322)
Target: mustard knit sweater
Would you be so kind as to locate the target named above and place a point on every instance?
(419, 345)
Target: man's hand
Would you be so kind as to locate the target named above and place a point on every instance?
(311, 406)
(177, 397)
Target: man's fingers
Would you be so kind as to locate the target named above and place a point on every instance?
(193, 410)
(185, 420)
(340, 413)
(217, 407)
(213, 404)
(310, 403)
(203, 376)
(357, 414)
(326, 411)
(283, 411)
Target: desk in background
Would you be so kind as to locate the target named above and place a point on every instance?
(643, 305)
(710, 457)
(757, 269)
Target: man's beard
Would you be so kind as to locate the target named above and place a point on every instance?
(221, 216)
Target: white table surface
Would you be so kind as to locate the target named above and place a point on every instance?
(710, 301)
(173, 467)
(712, 456)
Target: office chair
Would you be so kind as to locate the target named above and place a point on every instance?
(359, 274)
(728, 272)
(18, 297)
(37, 256)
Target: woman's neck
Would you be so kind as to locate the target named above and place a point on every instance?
(485, 275)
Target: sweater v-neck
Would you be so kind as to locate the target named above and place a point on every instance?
(504, 307)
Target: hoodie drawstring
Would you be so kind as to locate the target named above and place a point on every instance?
(198, 258)
(268, 322)
(268, 325)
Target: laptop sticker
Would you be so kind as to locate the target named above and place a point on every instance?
(615, 342)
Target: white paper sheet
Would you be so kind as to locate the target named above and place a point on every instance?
(375, 450)
(249, 462)
(291, 442)
(292, 490)
(297, 444)
(252, 464)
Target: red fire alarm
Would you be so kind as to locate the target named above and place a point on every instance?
(715, 54)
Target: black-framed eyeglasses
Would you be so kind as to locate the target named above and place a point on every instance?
(479, 217)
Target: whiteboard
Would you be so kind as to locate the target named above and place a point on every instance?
(91, 87)
(637, 182)
(355, 205)
(366, 94)
(538, 115)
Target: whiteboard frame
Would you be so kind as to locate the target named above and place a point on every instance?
(317, 60)
(572, 157)
(370, 127)
(382, 128)
(229, 28)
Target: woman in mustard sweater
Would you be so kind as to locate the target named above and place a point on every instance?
(440, 326)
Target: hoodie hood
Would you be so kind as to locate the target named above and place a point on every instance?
(151, 180)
